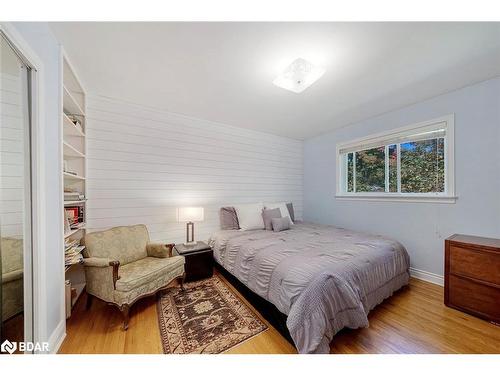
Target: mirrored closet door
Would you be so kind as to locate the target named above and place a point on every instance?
(15, 195)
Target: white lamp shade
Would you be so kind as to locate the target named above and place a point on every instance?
(187, 214)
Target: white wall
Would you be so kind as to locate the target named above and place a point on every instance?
(421, 227)
(41, 40)
(143, 163)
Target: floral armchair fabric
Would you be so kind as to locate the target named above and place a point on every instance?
(11, 250)
(122, 266)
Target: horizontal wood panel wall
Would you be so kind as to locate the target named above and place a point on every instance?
(12, 156)
(144, 163)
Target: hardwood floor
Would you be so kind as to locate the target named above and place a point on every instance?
(414, 320)
(13, 329)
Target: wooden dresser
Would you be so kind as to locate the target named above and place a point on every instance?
(472, 275)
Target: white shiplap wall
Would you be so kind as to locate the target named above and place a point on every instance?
(143, 163)
(11, 156)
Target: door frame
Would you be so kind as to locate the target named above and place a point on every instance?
(35, 303)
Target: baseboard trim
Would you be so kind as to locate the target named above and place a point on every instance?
(57, 337)
(427, 276)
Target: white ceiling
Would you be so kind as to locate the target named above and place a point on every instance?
(224, 71)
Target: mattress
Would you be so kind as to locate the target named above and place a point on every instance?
(322, 277)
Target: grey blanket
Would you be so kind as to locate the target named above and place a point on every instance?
(322, 277)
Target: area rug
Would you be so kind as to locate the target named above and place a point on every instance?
(207, 317)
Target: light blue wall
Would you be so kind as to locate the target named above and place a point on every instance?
(420, 227)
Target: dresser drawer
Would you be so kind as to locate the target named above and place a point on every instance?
(474, 297)
(481, 265)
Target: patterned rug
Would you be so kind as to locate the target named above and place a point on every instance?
(206, 318)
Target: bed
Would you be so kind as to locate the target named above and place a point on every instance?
(322, 278)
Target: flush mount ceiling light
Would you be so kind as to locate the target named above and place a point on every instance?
(298, 76)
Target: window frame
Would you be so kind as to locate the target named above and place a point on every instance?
(448, 196)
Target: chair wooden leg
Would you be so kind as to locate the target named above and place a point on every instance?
(89, 301)
(125, 309)
(181, 280)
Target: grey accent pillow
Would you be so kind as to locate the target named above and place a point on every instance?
(290, 211)
(268, 215)
(228, 218)
(283, 223)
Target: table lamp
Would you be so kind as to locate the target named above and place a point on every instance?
(189, 215)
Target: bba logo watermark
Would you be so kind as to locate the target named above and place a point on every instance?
(11, 347)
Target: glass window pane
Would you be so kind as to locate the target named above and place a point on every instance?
(422, 166)
(350, 170)
(370, 170)
(393, 169)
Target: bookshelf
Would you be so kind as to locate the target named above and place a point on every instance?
(70, 176)
(73, 176)
(70, 152)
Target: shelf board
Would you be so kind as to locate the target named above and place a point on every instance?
(80, 227)
(79, 290)
(67, 267)
(67, 203)
(69, 152)
(70, 176)
(72, 232)
(70, 129)
(70, 105)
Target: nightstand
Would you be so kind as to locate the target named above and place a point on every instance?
(199, 260)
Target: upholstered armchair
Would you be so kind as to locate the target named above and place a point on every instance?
(11, 251)
(122, 266)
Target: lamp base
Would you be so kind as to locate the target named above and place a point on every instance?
(190, 238)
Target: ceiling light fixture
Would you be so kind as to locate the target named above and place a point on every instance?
(298, 76)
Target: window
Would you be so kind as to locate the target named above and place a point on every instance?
(410, 163)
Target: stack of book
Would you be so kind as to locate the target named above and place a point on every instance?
(75, 216)
(73, 252)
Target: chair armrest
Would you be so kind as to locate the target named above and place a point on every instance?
(102, 263)
(11, 276)
(97, 262)
(159, 250)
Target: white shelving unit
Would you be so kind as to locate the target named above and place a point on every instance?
(69, 129)
(70, 152)
(72, 203)
(74, 162)
(72, 232)
(70, 104)
(70, 176)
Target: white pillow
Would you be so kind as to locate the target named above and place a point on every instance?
(282, 207)
(250, 216)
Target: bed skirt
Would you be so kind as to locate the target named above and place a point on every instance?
(275, 317)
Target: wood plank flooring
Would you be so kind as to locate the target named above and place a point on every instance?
(13, 330)
(414, 320)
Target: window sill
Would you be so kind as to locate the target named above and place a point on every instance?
(399, 198)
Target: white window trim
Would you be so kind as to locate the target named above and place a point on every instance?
(447, 197)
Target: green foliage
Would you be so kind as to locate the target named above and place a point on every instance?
(370, 170)
(422, 166)
(393, 169)
(350, 176)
